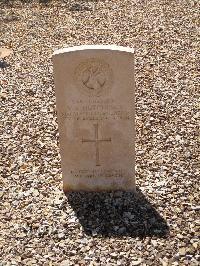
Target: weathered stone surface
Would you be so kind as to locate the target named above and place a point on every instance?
(95, 108)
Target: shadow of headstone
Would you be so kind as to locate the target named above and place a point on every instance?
(117, 214)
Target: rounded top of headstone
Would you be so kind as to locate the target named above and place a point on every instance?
(94, 47)
(4, 52)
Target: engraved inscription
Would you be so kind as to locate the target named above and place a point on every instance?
(96, 141)
(98, 173)
(94, 77)
(94, 109)
(97, 115)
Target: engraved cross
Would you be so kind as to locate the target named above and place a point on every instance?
(96, 141)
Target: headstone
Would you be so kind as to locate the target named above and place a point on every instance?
(96, 112)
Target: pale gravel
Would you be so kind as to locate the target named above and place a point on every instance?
(39, 224)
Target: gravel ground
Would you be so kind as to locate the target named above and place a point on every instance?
(158, 226)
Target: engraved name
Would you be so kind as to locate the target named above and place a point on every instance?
(115, 115)
(95, 112)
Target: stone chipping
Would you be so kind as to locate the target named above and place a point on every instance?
(160, 224)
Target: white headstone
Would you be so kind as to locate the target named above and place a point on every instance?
(96, 117)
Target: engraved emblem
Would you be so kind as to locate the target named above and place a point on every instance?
(97, 141)
(94, 77)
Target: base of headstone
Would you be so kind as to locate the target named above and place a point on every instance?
(125, 187)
